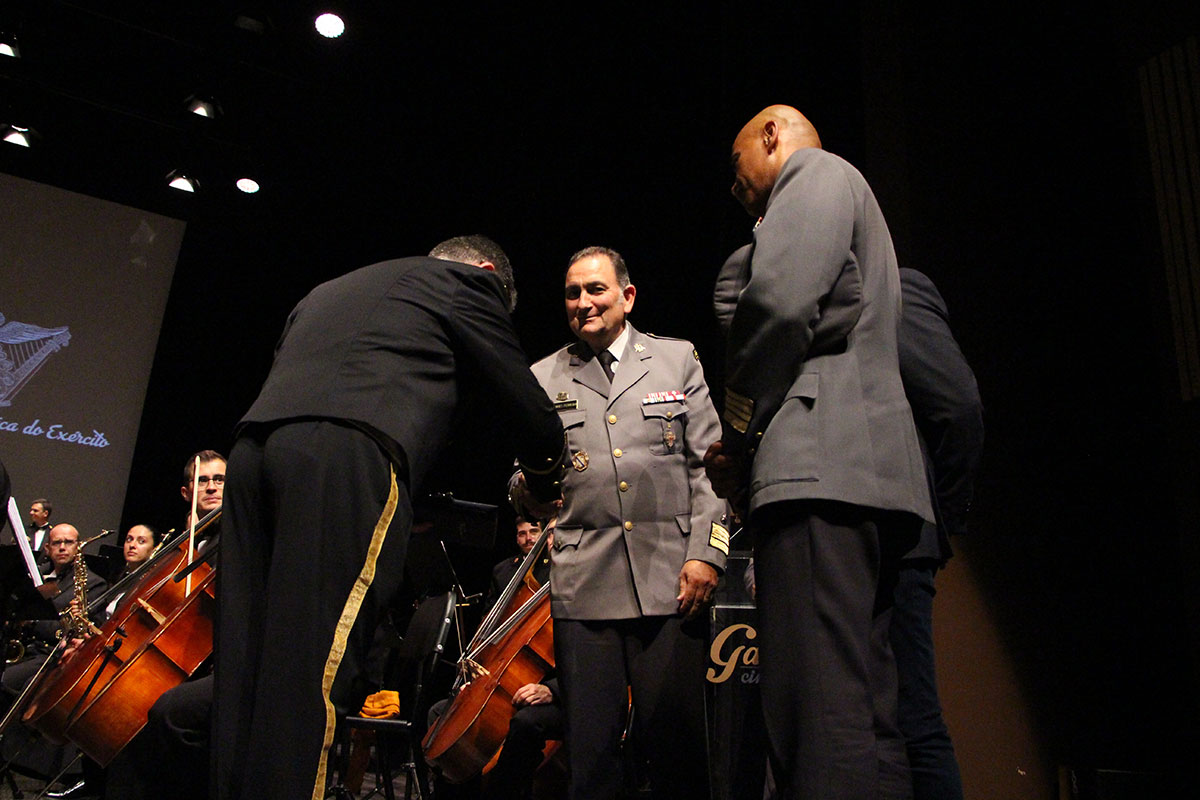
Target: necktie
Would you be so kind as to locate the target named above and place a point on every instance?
(606, 361)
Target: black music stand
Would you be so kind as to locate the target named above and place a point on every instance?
(20, 596)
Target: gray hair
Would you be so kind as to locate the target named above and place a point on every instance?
(622, 272)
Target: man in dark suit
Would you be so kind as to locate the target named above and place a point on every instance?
(39, 529)
(371, 371)
(944, 396)
(819, 448)
(639, 540)
(502, 574)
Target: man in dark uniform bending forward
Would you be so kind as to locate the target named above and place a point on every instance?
(360, 399)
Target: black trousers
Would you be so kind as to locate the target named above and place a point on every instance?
(313, 538)
(930, 750)
(662, 660)
(826, 574)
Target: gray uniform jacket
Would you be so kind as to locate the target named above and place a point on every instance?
(637, 503)
(813, 382)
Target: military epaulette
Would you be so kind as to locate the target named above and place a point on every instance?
(695, 352)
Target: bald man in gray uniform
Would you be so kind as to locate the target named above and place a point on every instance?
(819, 448)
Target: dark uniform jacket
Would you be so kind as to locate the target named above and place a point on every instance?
(391, 348)
(944, 396)
(47, 629)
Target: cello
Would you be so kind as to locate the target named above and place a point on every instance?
(160, 633)
(514, 646)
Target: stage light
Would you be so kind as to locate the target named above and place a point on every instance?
(8, 45)
(177, 179)
(203, 106)
(15, 134)
(248, 185)
(330, 26)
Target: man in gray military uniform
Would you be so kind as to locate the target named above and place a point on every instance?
(639, 542)
(820, 447)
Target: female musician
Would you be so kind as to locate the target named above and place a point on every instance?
(140, 543)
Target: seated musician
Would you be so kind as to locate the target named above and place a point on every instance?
(171, 755)
(60, 589)
(527, 536)
(140, 543)
(538, 716)
(39, 531)
(209, 483)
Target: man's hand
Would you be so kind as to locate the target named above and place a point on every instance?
(726, 472)
(697, 582)
(532, 694)
(523, 501)
(72, 647)
(729, 476)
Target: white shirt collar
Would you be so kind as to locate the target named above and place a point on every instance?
(617, 348)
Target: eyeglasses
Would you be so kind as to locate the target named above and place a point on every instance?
(65, 543)
(217, 480)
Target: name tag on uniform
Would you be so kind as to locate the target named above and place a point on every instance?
(672, 396)
(564, 403)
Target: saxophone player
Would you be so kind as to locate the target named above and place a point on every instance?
(60, 589)
(69, 580)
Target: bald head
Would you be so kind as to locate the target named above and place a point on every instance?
(62, 544)
(762, 148)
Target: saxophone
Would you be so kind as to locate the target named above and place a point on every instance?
(75, 622)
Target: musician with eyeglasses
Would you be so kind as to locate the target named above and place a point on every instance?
(60, 588)
(209, 482)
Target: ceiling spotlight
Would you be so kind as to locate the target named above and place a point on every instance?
(248, 185)
(178, 180)
(15, 134)
(8, 45)
(330, 26)
(203, 106)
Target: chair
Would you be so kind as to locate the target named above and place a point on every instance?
(416, 657)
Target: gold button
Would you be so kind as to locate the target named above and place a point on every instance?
(628, 525)
(612, 419)
(670, 414)
(617, 453)
(624, 486)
